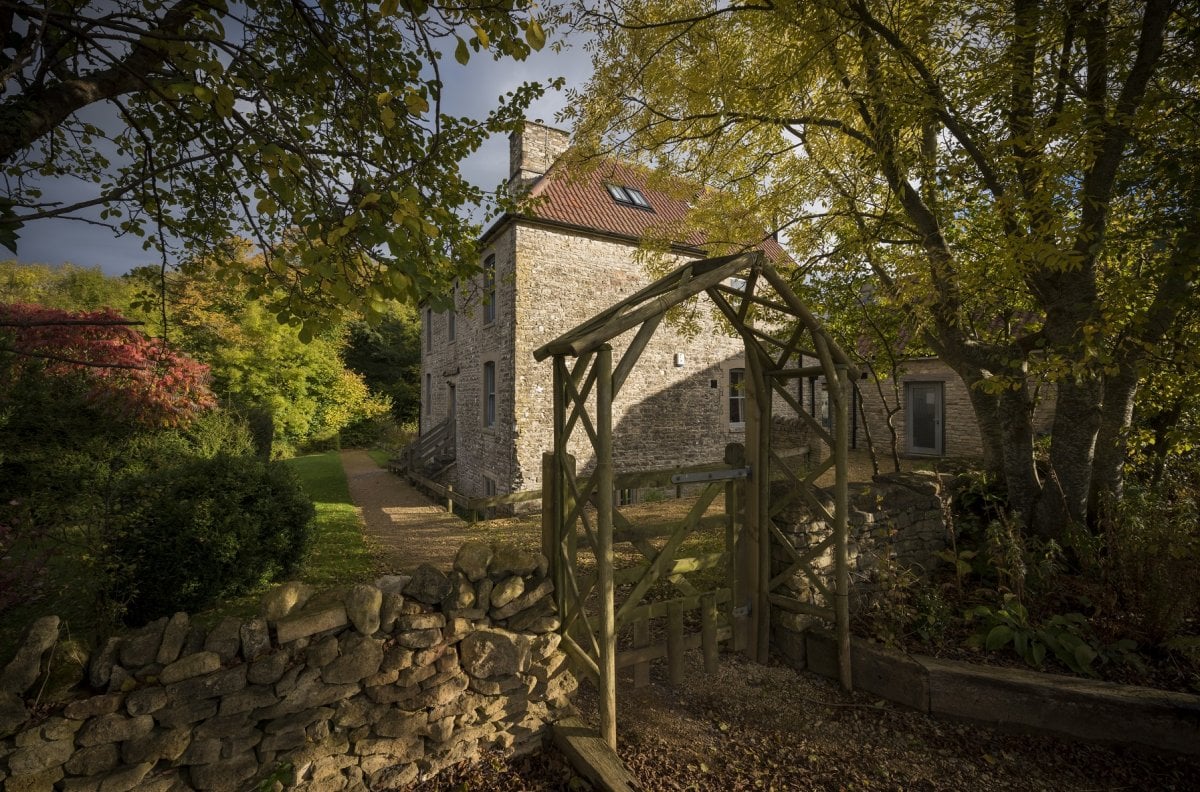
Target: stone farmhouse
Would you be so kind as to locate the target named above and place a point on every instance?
(545, 271)
(570, 256)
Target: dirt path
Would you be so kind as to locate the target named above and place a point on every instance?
(408, 527)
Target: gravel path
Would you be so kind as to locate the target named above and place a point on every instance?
(407, 527)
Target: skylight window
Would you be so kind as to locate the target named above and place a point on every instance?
(628, 196)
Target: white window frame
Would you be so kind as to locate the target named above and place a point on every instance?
(489, 290)
(730, 397)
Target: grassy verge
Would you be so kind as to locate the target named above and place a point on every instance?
(380, 456)
(339, 553)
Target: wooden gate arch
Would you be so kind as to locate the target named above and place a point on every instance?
(779, 334)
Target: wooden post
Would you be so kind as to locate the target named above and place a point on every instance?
(708, 631)
(746, 593)
(761, 486)
(450, 498)
(840, 515)
(675, 644)
(550, 513)
(604, 540)
(735, 456)
(641, 638)
(552, 488)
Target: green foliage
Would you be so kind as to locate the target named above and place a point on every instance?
(1149, 553)
(339, 552)
(203, 530)
(387, 356)
(1067, 637)
(323, 122)
(64, 286)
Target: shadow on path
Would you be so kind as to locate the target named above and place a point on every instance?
(408, 528)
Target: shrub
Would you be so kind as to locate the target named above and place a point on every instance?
(203, 530)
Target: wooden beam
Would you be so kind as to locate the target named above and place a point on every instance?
(634, 351)
(604, 545)
(592, 757)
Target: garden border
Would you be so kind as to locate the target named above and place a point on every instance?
(1011, 698)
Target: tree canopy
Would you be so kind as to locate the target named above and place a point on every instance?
(318, 123)
(1019, 178)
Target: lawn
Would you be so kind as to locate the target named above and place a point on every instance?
(339, 552)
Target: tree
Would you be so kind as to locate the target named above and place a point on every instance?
(258, 361)
(318, 121)
(1025, 175)
(388, 356)
(63, 286)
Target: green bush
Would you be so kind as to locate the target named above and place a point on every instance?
(202, 530)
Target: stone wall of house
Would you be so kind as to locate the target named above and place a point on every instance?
(960, 430)
(674, 407)
(373, 687)
(897, 520)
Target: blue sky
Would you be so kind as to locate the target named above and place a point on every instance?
(470, 90)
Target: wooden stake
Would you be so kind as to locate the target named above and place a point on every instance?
(604, 540)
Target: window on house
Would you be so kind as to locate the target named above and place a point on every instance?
(428, 329)
(628, 196)
(626, 497)
(452, 315)
(489, 487)
(737, 398)
(489, 394)
(489, 290)
(428, 394)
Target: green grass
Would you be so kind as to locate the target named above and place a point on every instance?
(339, 553)
(380, 456)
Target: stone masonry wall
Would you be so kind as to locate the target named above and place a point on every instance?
(374, 687)
(960, 430)
(896, 519)
(665, 414)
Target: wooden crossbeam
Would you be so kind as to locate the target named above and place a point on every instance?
(707, 495)
(634, 352)
(799, 606)
(811, 422)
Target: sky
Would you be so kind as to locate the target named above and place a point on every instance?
(471, 90)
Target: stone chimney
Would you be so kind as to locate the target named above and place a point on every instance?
(531, 152)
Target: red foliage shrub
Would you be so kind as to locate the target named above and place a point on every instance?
(124, 373)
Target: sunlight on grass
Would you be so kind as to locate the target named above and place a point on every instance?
(380, 456)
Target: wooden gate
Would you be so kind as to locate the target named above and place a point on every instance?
(669, 596)
(581, 512)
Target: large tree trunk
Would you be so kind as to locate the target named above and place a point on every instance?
(1116, 415)
(1014, 410)
(1064, 497)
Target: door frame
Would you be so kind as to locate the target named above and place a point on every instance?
(939, 428)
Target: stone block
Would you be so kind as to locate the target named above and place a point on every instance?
(526, 600)
(419, 639)
(146, 701)
(256, 638)
(184, 713)
(140, 648)
(174, 634)
(420, 621)
(398, 749)
(168, 744)
(224, 775)
(113, 728)
(94, 760)
(126, 778)
(309, 692)
(225, 639)
(472, 560)
(26, 665)
(43, 781)
(282, 600)
(398, 723)
(392, 584)
(511, 560)
(13, 714)
(193, 665)
(306, 624)
(492, 653)
(363, 603)
(40, 756)
(428, 585)
(507, 590)
(220, 683)
(322, 652)
(389, 609)
(252, 698)
(268, 670)
(360, 657)
(96, 705)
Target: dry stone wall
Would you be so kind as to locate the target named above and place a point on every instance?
(896, 520)
(372, 687)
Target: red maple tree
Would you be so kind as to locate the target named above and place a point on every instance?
(123, 372)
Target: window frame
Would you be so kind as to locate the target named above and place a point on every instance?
(628, 196)
(488, 398)
(428, 329)
(739, 397)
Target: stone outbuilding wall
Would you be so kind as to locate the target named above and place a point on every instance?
(373, 687)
